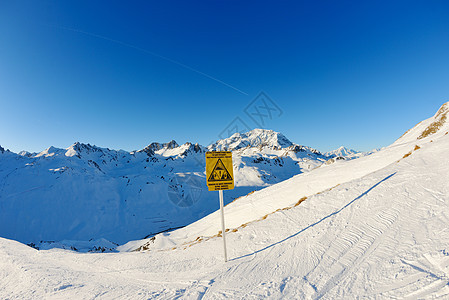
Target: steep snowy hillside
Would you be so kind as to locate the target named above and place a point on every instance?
(374, 227)
(429, 129)
(86, 192)
(248, 209)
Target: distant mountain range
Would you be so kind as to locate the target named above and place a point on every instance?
(86, 192)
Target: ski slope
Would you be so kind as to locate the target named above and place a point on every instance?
(287, 193)
(374, 227)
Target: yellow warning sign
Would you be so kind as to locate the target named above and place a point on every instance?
(219, 173)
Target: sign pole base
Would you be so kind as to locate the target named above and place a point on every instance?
(223, 229)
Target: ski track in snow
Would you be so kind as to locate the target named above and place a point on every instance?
(323, 259)
(383, 235)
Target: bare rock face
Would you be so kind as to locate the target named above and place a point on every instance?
(149, 150)
(193, 148)
(170, 145)
(155, 146)
(439, 120)
(333, 160)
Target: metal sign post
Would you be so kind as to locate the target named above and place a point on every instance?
(223, 230)
(219, 177)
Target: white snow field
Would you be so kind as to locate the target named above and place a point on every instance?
(374, 227)
(86, 192)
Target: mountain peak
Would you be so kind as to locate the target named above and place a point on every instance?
(195, 148)
(171, 145)
(342, 152)
(51, 151)
(155, 146)
(77, 148)
(25, 153)
(254, 138)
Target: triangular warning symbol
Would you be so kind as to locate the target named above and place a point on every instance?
(219, 173)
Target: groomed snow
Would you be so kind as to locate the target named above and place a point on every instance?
(375, 227)
(289, 192)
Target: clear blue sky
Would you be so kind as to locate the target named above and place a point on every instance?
(122, 74)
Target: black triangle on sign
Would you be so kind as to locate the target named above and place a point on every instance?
(219, 173)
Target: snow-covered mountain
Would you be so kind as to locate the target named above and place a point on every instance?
(347, 153)
(342, 152)
(325, 177)
(87, 192)
(260, 138)
(373, 227)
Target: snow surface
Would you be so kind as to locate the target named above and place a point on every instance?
(86, 192)
(289, 192)
(375, 227)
